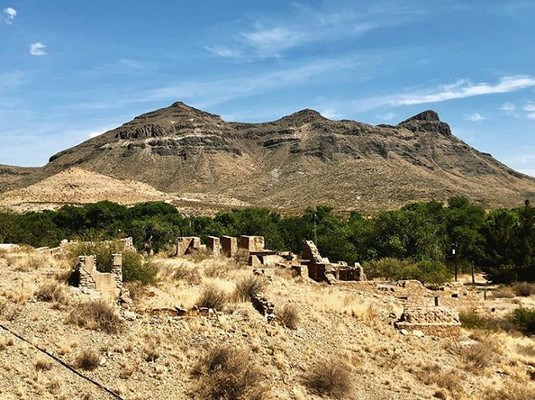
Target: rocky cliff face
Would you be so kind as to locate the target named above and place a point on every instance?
(299, 160)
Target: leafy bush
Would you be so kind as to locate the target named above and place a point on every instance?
(429, 272)
(212, 297)
(135, 268)
(228, 374)
(524, 319)
(96, 315)
(249, 287)
(330, 378)
(473, 320)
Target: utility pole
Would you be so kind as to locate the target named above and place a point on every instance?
(315, 231)
(454, 254)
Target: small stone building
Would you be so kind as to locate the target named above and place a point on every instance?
(108, 284)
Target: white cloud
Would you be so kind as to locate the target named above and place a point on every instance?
(37, 49)
(475, 117)
(457, 90)
(463, 89)
(508, 107)
(10, 13)
(211, 92)
(389, 116)
(272, 36)
(529, 107)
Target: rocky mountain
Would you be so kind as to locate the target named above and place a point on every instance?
(299, 160)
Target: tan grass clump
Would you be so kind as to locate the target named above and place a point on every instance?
(448, 380)
(52, 292)
(228, 374)
(524, 289)
(88, 359)
(212, 297)
(331, 378)
(288, 316)
(43, 364)
(503, 293)
(249, 287)
(96, 315)
(511, 391)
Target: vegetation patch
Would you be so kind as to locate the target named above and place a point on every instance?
(96, 315)
(330, 378)
(212, 297)
(229, 374)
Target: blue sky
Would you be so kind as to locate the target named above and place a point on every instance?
(71, 69)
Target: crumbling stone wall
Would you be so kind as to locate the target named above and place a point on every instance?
(429, 319)
(229, 244)
(264, 307)
(251, 243)
(187, 245)
(213, 244)
(109, 284)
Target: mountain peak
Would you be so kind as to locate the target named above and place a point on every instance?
(426, 121)
(427, 115)
(304, 116)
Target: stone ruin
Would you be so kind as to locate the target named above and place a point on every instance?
(213, 244)
(187, 245)
(321, 269)
(433, 320)
(229, 246)
(108, 284)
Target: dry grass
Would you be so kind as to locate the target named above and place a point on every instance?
(330, 378)
(52, 292)
(479, 355)
(87, 359)
(5, 343)
(288, 316)
(503, 293)
(228, 374)
(524, 289)
(43, 364)
(249, 287)
(9, 311)
(182, 272)
(212, 297)
(448, 380)
(95, 315)
(511, 391)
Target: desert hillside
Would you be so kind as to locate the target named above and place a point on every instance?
(328, 342)
(78, 186)
(300, 160)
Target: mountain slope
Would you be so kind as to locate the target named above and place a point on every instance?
(299, 160)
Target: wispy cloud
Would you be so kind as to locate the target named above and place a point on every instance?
(274, 35)
(38, 49)
(10, 14)
(207, 93)
(464, 88)
(389, 116)
(508, 107)
(475, 117)
(530, 110)
(457, 90)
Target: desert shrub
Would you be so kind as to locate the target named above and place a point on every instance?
(511, 391)
(524, 319)
(228, 374)
(524, 289)
(136, 290)
(249, 287)
(52, 292)
(212, 297)
(88, 359)
(95, 315)
(135, 268)
(330, 378)
(289, 316)
(473, 320)
(503, 292)
(433, 375)
(185, 273)
(43, 364)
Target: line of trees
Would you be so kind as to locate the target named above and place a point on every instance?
(500, 242)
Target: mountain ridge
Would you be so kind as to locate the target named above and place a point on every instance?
(296, 161)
